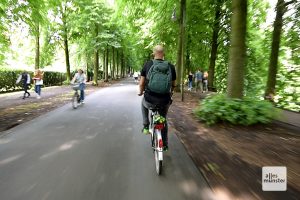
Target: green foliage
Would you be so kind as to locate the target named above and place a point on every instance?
(4, 41)
(258, 51)
(245, 111)
(133, 27)
(8, 79)
(54, 78)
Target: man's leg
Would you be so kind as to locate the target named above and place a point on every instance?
(82, 95)
(201, 86)
(82, 87)
(25, 91)
(145, 114)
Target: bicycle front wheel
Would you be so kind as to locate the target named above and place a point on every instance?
(75, 101)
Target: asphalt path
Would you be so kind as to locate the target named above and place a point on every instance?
(94, 152)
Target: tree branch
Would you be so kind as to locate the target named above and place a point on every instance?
(290, 2)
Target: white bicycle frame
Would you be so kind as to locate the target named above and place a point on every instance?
(158, 148)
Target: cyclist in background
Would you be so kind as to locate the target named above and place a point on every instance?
(80, 78)
(154, 90)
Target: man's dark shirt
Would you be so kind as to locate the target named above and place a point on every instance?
(152, 97)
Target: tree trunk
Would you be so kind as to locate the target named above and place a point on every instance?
(103, 65)
(188, 55)
(122, 65)
(178, 63)
(180, 51)
(68, 68)
(106, 65)
(66, 48)
(182, 41)
(37, 47)
(118, 61)
(113, 64)
(96, 67)
(273, 65)
(214, 47)
(237, 51)
(96, 61)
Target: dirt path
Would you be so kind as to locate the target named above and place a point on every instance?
(231, 157)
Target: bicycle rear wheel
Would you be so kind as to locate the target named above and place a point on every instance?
(158, 160)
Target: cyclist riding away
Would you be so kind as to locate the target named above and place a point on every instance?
(81, 79)
(157, 84)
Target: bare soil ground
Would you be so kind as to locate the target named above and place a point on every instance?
(231, 157)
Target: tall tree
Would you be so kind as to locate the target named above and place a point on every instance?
(33, 13)
(113, 63)
(237, 51)
(96, 58)
(63, 17)
(281, 8)
(106, 64)
(214, 45)
(180, 52)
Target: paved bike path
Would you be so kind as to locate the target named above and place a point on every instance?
(94, 152)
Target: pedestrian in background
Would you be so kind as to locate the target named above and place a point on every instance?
(190, 79)
(25, 78)
(205, 81)
(38, 82)
(198, 79)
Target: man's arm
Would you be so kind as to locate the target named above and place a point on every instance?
(73, 80)
(173, 85)
(28, 79)
(142, 85)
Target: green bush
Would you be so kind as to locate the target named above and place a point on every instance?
(245, 111)
(8, 79)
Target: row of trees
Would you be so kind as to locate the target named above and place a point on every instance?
(233, 40)
(89, 28)
(262, 57)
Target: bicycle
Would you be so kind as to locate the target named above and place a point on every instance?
(157, 124)
(76, 96)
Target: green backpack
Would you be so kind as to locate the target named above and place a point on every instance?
(159, 77)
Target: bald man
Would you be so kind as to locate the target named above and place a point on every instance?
(151, 98)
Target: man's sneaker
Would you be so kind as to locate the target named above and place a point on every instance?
(165, 148)
(145, 130)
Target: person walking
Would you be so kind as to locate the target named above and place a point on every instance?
(205, 81)
(198, 79)
(136, 76)
(157, 83)
(25, 78)
(38, 82)
(190, 81)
